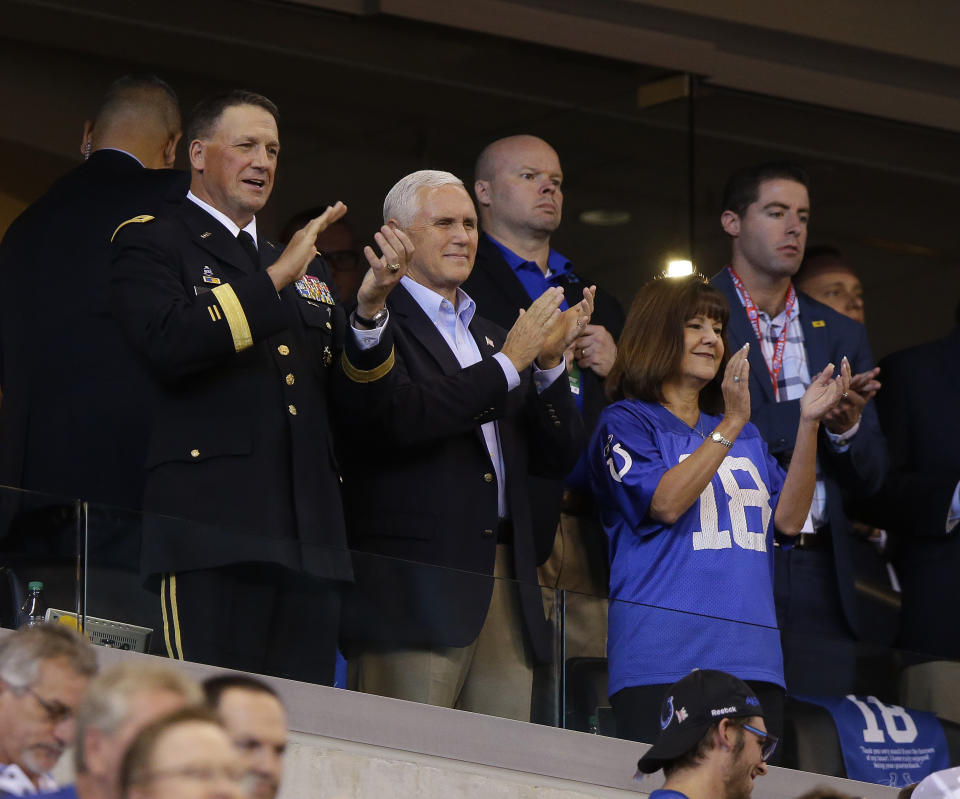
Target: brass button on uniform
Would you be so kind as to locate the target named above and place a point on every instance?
(283, 349)
(329, 326)
(194, 453)
(292, 409)
(488, 477)
(290, 379)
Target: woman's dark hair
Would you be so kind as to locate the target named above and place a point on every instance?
(650, 349)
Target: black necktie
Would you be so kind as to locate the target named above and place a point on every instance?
(246, 241)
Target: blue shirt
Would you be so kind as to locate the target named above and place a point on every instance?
(559, 270)
(66, 792)
(697, 593)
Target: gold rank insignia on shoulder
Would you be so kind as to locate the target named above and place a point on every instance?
(137, 219)
(488, 340)
(818, 323)
(208, 276)
(314, 289)
(206, 234)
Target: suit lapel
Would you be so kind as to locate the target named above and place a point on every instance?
(423, 330)
(489, 339)
(212, 236)
(739, 332)
(816, 336)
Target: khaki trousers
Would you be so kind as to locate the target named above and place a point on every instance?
(493, 675)
(577, 565)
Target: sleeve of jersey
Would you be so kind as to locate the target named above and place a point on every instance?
(626, 465)
(179, 332)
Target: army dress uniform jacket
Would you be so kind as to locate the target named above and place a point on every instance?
(247, 381)
(420, 488)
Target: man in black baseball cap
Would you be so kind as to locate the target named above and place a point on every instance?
(713, 740)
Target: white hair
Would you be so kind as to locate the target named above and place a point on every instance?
(110, 699)
(402, 202)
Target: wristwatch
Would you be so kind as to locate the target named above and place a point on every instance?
(715, 436)
(379, 319)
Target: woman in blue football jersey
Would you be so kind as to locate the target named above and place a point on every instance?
(690, 498)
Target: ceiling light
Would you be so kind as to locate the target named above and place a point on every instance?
(679, 268)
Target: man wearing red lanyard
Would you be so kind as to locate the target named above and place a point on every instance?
(766, 209)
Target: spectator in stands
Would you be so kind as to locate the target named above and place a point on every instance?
(766, 209)
(338, 247)
(118, 704)
(713, 741)
(473, 411)
(74, 418)
(921, 505)
(676, 467)
(255, 719)
(826, 276)
(519, 191)
(185, 755)
(44, 671)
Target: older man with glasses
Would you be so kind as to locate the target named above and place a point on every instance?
(44, 672)
(703, 748)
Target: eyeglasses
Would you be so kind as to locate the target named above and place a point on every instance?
(56, 711)
(199, 773)
(768, 742)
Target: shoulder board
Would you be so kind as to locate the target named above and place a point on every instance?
(140, 218)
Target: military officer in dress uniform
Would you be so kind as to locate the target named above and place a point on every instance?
(251, 359)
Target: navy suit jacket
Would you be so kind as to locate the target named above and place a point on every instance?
(420, 488)
(919, 412)
(859, 471)
(499, 295)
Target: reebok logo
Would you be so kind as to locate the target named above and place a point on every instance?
(722, 711)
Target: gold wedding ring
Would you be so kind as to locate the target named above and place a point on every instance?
(393, 267)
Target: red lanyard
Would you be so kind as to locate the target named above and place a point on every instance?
(753, 314)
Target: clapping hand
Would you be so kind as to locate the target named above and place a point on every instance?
(736, 387)
(385, 270)
(302, 249)
(825, 391)
(572, 323)
(847, 412)
(530, 332)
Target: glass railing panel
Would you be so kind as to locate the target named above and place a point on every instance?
(41, 539)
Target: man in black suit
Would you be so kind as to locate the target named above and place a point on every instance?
(74, 421)
(519, 190)
(75, 412)
(921, 505)
(766, 210)
(437, 475)
(250, 358)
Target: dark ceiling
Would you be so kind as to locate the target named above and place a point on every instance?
(366, 99)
